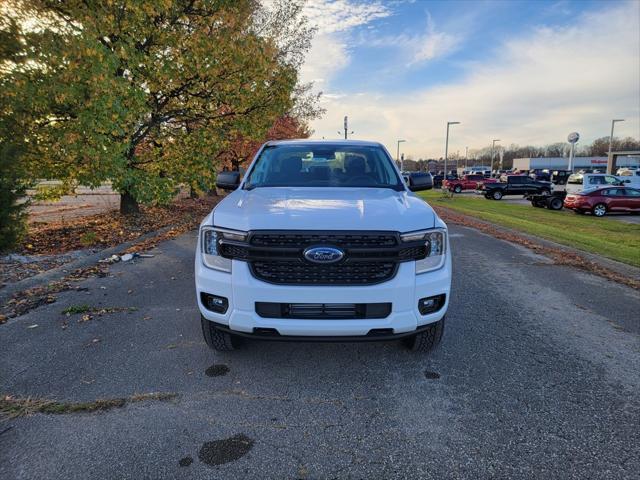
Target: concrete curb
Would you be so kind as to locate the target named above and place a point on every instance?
(55, 273)
(613, 265)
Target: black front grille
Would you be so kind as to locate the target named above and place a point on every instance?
(301, 273)
(278, 256)
(305, 239)
(323, 311)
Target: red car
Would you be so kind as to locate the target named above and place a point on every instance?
(604, 200)
(466, 182)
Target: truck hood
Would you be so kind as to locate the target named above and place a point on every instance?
(275, 208)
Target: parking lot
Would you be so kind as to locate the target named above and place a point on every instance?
(518, 200)
(538, 376)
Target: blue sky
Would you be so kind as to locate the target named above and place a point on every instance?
(528, 71)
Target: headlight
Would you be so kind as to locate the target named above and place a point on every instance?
(209, 250)
(436, 240)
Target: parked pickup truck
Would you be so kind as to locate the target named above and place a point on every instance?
(515, 185)
(322, 241)
(467, 182)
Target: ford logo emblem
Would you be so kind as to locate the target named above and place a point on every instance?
(323, 254)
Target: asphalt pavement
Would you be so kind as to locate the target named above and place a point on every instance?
(538, 376)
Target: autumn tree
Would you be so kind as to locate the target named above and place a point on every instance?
(600, 146)
(240, 150)
(13, 182)
(147, 94)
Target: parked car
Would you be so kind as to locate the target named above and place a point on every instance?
(322, 241)
(467, 182)
(578, 176)
(600, 201)
(540, 174)
(627, 171)
(439, 177)
(424, 178)
(594, 180)
(504, 176)
(515, 185)
(559, 177)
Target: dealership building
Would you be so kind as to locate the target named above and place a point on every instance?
(562, 163)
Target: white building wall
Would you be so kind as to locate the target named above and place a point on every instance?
(562, 163)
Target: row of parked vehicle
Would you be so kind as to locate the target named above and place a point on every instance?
(596, 193)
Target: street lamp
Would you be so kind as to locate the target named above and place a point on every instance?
(493, 147)
(466, 155)
(398, 155)
(446, 148)
(609, 162)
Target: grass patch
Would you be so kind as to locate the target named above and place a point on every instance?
(610, 238)
(76, 309)
(12, 407)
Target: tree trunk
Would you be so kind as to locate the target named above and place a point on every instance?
(128, 204)
(193, 193)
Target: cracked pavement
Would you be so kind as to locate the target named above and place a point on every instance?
(538, 376)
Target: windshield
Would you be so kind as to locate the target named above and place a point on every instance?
(323, 165)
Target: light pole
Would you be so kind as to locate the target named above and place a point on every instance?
(398, 154)
(446, 148)
(609, 162)
(493, 147)
(466, 154)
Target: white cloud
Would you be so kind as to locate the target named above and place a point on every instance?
(334, 19)
(532, 90)
(431, 44)
(331, 16)
(327, 56)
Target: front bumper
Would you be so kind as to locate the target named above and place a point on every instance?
(243, 290)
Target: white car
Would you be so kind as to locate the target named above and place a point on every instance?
(598, 180)
(322, 241)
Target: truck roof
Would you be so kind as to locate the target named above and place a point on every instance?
(306, 141)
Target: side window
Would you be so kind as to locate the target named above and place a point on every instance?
(630, 192)
(515, 180)
(609, 180)
(596, 180)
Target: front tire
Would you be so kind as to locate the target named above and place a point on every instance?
(457, 189)
(599, 210)
(426, 340)
(217, 339)
(497, 195)
(556, 204)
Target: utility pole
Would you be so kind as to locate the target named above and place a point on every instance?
(466, 155)
(446, 148)
(346, 128)
(493, 147)
(609, 162)
(400, 161)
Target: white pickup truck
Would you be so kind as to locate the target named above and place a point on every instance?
(322, 241)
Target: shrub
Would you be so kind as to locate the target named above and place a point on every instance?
(13, 201)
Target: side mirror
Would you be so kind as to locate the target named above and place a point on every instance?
(420, 182)
(228, 180)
